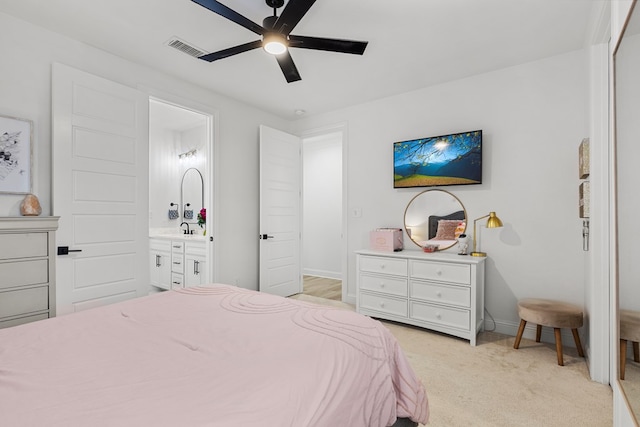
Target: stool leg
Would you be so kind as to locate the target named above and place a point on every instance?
(559, 345)
(576, 338)
(523, 323)
(623, 357)
(538, 332)
(636, 351)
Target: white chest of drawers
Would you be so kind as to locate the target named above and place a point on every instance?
(437, 291)
(27, 269)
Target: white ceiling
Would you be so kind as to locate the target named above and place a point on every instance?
(412, 43)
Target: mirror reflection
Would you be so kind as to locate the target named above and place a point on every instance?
(627, 70)
(435, 217)
(191, 195)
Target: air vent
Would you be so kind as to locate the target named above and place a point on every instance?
(185, 47)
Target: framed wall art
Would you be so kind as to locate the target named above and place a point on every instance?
(15, 155)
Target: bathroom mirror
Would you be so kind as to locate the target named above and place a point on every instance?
(627, 129)
(435, 217)
(191, 195)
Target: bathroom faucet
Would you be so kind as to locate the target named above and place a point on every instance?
(187, 230)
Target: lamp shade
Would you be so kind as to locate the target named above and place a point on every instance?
(493, 221)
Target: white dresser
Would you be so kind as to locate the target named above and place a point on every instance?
(439, 291)
(27, 269)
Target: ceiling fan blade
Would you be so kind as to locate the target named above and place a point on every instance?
(231, 15)
(288, 67)
(291, 15)
(332, 45)
(210, 57)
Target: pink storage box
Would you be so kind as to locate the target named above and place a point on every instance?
(386, 239)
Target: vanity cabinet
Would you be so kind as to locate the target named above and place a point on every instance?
(27, 269)
(176, 263)
(195, 261)
(437, 291)
(160, 263)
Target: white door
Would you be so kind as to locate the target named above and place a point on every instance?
(100, 189)
(280, 212)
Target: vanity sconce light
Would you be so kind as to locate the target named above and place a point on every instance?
(187, 154)
(492, 222)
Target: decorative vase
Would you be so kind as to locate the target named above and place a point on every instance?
(30, 206)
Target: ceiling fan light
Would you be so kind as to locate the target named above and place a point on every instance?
(274, 44)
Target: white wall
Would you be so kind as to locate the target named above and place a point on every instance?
(322, 206)
(533, 117)
(25, 92)
(163, 176)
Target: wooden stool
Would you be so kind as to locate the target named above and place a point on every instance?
(629, 331)
(554, 314)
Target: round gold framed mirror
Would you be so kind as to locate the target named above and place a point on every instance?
(435, 218)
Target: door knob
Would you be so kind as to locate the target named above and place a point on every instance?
(265, 237)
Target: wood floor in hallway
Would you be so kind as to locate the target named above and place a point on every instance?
(323, 287)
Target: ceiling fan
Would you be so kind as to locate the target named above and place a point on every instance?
(276, 35)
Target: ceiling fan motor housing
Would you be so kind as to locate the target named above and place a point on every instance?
(269, 22)
(275, 3)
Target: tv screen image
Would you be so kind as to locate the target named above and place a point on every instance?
(454, 159)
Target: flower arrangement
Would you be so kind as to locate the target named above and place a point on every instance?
(202, 217)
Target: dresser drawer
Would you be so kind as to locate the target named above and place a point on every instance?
(21, 273)
(439, 271)
(177, 263)
(385, 284)
(23, 301)
(23, 245)
(383, 304)
(22, 320)
(177, 281)
(381, 265)
(177, 247)
(440, 293)
(447, 316)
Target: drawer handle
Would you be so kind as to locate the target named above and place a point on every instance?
(177, 263)
(439, 316)
(381, 285)
(439, 272)
(381, 305)
(382, 266)
(438, 294)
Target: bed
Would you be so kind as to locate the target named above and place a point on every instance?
(214, 355)
(443, 230)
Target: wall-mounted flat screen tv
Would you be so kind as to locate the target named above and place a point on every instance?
(454, 159)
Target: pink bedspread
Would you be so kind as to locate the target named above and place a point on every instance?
(207, 356)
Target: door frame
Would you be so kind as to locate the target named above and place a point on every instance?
(344, 250)
(211, 167)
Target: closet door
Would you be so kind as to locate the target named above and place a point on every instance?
(100, 189)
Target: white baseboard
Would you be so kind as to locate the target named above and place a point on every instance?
(322, 273)
(547, 336)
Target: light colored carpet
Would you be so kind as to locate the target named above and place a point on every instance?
(494, 385)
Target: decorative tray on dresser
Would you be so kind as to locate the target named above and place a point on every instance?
(443, 292)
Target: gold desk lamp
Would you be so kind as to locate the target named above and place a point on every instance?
(492, 222)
